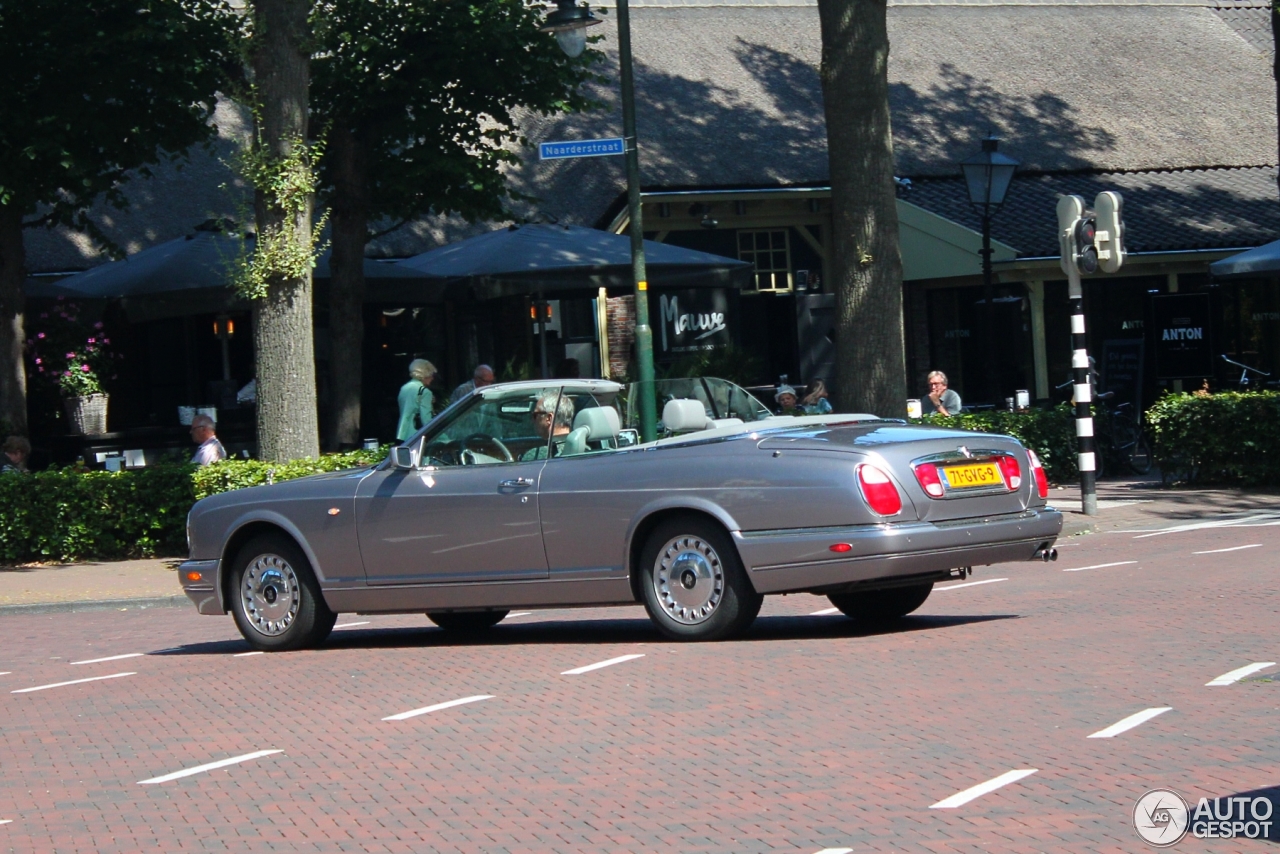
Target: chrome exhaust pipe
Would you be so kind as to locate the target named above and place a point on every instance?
(1046, 554)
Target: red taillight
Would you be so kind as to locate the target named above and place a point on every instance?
(1011, 470)
(879, 491)
(927, 474)
(1037, 470)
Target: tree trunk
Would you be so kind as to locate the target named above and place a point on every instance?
(346, 287)
(13, 372)
(866, 265)
(282, 320)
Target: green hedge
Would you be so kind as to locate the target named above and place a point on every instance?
(72, 514)
(67, 514)
(1051, 433)
(1230, 437)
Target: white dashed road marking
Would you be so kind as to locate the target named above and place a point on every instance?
(1100, 566)
(10, 821)
(243, 654)
(1232, 549)
(110, 658)
(349, 625)
(577, 670)
(836, 851)
(959, 799)
(971, 584)
(1130, 722)
(72, 682)
(212, 766)
(404, 716)
(1239, 673)
(825, 612)
(517, 614)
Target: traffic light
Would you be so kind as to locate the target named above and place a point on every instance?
(1090, 240)
(1070, 212)
(1085, 252)
(1109, 235)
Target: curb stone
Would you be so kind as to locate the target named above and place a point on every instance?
(178, 601)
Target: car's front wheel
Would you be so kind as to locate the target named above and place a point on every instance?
(882, 605)
(693, 582)
(467, 621)
(276, 601)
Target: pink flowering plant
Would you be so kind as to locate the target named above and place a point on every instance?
(68, 352)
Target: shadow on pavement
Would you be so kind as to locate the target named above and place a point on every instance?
(610, 631)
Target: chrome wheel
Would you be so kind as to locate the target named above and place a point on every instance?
(270, 595)
(688, 580)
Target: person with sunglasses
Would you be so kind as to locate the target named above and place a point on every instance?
(552, 419)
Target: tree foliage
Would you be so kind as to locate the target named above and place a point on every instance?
(419, 99)
(95, 91)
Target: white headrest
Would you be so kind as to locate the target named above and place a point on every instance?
(685, 416)
(602, 422)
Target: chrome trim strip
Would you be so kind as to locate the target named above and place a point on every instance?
(844, 559)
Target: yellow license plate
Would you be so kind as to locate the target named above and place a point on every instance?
(969, 476)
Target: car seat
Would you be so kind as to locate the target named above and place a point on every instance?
(685, 416)
(597, 426)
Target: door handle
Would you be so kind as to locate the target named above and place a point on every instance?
(516, 483)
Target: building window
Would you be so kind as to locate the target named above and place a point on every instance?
(770, 252)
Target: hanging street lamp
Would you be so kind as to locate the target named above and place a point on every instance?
(988, 175)
(569, 22)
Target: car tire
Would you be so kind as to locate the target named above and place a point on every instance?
(467, 621)
(276, 601)
(879, 606)
(693, 583)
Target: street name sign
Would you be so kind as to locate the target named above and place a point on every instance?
(581, 148)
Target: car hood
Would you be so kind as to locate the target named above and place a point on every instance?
(325, 483)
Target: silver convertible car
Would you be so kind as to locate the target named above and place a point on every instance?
(533, 494)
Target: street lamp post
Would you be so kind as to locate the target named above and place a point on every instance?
(568, 21)
(988, 175)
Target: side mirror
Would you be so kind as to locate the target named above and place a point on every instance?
(627, 438)
(402, 457)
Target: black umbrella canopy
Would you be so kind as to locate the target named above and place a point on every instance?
(189, 276)
(1262, 261)
(542, 258)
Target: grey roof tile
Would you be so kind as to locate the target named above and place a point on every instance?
(1163, 210)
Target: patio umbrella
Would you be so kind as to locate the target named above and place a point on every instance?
(1263, 261)
(543, 259)
(189, 276)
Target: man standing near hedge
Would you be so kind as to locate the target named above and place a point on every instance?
(210, 450)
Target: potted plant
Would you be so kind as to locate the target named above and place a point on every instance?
(73, 355)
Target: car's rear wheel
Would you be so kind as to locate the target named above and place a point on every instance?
(882, 605)
(276, 601)
(693, 583)
(467, 621)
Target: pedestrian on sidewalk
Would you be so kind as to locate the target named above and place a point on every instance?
(481, 377)
(203, 434)
(16, 451)
(415, 399)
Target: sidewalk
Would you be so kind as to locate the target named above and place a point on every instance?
(1136, 503)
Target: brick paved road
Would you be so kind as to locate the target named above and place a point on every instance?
(809, 734)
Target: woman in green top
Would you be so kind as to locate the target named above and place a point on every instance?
(415, 398)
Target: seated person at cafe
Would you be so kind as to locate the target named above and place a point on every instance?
(551, 421)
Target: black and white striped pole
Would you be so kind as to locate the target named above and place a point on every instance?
(1089, 239)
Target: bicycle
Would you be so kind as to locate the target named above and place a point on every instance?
(1245, 370)
(1121, 442)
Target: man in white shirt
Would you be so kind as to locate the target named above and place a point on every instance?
(210, 450)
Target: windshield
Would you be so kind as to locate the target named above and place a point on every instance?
(720, 398)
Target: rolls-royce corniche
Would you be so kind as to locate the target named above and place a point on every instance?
(535, 495)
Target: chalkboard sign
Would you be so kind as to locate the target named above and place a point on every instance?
(1122, 370)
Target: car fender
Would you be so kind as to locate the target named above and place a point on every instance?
(674, 502)
(262, 515)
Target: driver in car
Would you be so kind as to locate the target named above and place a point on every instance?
(551, 420)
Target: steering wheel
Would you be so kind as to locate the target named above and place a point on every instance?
(485, 444)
